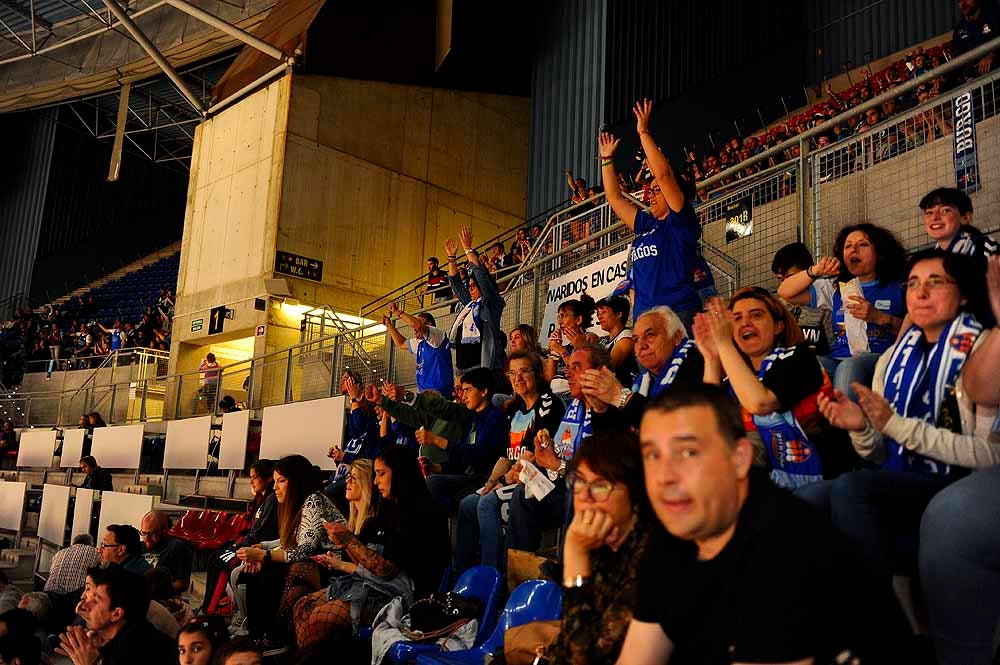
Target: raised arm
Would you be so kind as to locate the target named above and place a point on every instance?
(659, 165)
(571, 181)
(621, 204)
(397, 337)
(751, 393)
(795, 288)
(465, 235)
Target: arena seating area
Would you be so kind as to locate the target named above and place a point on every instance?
(510, 471)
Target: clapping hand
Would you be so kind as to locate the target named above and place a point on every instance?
(841, 412)
(350, 386)
(876, 408)
(607, 144)
(79, 646)
(600, 387)
(703, 338)
(390, 390)
(720, 322)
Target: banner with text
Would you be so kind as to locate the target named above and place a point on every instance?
(966, 158)
(598, 280)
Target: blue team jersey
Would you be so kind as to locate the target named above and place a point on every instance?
(888, 299)
(434, 370)
(664, 257)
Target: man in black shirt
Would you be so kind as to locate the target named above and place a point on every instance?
(742, 572)
(162, 551)
(114, 606)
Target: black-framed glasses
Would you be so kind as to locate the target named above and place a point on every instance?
(106, 545)
(599, 490)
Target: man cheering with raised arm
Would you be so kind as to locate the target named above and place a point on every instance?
(665, 254)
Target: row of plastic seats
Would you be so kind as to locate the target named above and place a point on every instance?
(209, 529)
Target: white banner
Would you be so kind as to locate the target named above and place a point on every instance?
(598, 280)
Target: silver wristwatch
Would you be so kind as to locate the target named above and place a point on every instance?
(623, 399)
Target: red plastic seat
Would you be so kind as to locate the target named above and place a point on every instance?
(188, 523)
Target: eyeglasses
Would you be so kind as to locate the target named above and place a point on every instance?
(931, 283)
(146, 534)
(106, 545)
(351, 479)
(521, 372)
(599, 490)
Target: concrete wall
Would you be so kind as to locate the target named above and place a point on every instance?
(377, 175)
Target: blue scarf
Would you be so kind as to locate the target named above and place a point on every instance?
(643, 381)
(919, 381)
(794, 460)
(969, 242)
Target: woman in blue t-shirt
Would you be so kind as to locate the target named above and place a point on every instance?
(866, 300)
(666, 259)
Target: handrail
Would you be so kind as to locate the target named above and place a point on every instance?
(405, 288)
(800, 139)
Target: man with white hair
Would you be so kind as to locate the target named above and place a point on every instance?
(667, 357)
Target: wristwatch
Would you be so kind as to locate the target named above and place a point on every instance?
(623, 399)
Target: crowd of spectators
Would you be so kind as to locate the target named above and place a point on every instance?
(72, 336)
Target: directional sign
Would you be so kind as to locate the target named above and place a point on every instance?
(304, 267)
(196, 324)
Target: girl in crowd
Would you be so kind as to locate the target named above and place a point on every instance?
(199, 641)
(225, 566)
(612, 315)
(364, 504)
(302, 510)
(479, 515)
(402, 551)
(959, 532)
(604, 544)
(476, 331)
(917, 421)
(758, 348)
(522, 338)
(867, 303)
(573, 319)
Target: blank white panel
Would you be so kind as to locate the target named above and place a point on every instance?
(72, 449)
(187, 443)
(37, 446)
(117, 447)
(122, 508)
(233, 448)
(55, 509)
(83, 510)
(12, 501)
(303, 428)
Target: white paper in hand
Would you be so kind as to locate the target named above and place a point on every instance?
(536, 484)
(856, 329)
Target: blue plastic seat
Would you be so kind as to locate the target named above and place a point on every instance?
(534, 600)
(479, 582)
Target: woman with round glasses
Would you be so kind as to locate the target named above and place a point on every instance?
(603, 547)
(917, 421)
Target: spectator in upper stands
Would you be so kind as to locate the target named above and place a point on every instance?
(978, 25)
(95, 477)
(867, 304)
(84, 345)
(666, 357)
(523, 339)
(69, 566)
(165, 551)
(116, 333)
(8, 439)
(484, 437)
(577, 187)
(959, 532)
(200, 640)
(665, 251)
(480, 515)
(612, 315)
(553, 453)
(10, 595)
(429, 345)
(228, 405)
(753, 347)
(498, 261)
(437, 281)
(702, 598)
(302, 510)
(122, 545)
(114, 607)
(573, 319)
(603, 547)
(386, 550)
(916, 421)
(816, 323)
(479, 339)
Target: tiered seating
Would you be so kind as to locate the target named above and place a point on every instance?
(126, 298)
(209, 529)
